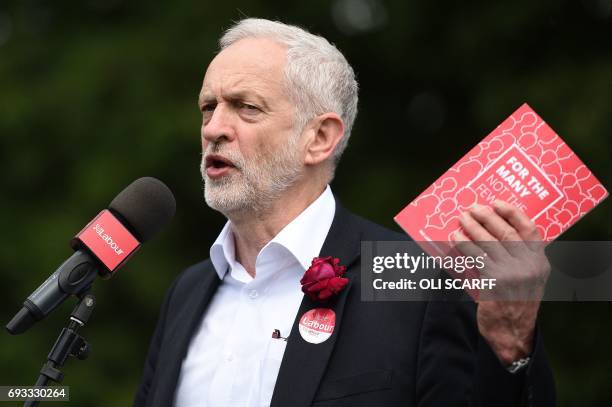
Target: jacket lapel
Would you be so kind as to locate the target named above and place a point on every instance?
(181, 333)
(305, 363)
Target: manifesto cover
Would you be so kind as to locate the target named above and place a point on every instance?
(523, 162)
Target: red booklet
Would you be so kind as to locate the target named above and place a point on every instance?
(523, 162)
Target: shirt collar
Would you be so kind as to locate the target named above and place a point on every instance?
(303, 237)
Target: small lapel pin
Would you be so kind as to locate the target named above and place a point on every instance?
(276, 334)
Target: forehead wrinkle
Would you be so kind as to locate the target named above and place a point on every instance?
(241, 86)
(250, 67)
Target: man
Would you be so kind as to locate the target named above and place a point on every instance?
(278, 104)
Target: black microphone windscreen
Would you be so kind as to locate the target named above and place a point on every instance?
(147, 204)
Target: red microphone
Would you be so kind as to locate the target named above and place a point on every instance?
(101, 248)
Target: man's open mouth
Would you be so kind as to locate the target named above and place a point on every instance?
(217, 165)
(217, 161)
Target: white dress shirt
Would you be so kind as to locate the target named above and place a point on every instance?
(232, 358)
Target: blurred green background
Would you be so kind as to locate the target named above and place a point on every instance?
(96, 93)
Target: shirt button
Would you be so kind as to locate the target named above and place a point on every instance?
(253, 294)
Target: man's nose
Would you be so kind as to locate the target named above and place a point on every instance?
(219, 126)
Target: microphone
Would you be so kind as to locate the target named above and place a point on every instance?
(135, 215)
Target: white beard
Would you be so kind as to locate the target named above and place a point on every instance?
(254, 185)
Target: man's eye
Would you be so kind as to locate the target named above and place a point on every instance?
(249, 108)
(208, 108)
(207, 111)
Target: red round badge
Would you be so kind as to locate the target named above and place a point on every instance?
(317, 325)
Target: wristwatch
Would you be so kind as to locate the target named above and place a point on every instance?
(518, 365)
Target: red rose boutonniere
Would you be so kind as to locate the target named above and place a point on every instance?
(323, 279)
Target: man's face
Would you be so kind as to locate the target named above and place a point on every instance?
(250, 147)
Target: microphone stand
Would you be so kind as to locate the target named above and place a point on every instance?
(68, 343)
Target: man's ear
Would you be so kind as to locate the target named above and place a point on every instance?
(324, 133)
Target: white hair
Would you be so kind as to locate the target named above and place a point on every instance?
(318, 77)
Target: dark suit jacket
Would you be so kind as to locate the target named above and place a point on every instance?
(425, 354)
